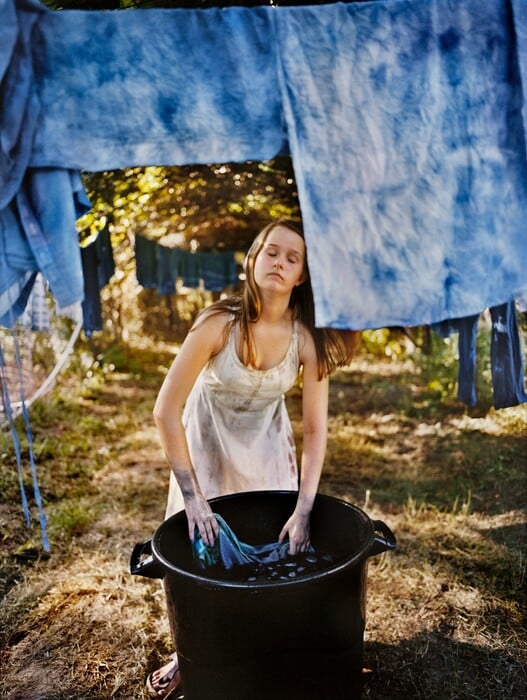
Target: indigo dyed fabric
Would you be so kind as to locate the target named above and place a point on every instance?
(156, 87)
(98, 267)
(506, 358)
(508, 381)
(403, 119)
(467, 330)
(19, 103)
(405, 127)
(519, 8)
(38, 234)
(146, 262)
(219, 270)
(228, 551)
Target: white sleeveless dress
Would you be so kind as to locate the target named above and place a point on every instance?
(238, 431)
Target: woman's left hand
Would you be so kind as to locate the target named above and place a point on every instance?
(297, 528)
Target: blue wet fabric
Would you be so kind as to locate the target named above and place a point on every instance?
(156, 87)
(219, 271)
(405, 127)
(508, 379)
(98, 267)
(158, 267)
(146, 262)
(38, 235)
(20, 105)
(191, 269)
(506, 356)
(167, 269)
(228, 551)
(467, 330)
(404, 119)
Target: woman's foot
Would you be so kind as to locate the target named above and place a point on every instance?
(165, 681)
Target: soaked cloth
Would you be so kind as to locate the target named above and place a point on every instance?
(228, 551)
(405, 127)
(467, 330)
(238, 431)
(506, 357)
(158, 267)
(20, 104)
(168, 262)
(98, 267)
(165, 87)
(508, 380)
(219, 270)
(146, 262)
(405, 121)
(38, 234)
(191, 269)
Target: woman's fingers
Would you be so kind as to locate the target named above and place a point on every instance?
(207, 527)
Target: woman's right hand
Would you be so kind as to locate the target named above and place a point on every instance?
(200, 515)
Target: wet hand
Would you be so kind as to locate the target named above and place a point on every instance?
(200, 515)
(298, 531)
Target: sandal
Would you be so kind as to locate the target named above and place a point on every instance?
(168, 683)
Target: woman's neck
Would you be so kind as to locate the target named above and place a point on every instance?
(275, 310)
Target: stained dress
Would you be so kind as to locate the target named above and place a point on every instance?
(237, 427)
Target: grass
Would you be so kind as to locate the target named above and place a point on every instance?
(445, 611)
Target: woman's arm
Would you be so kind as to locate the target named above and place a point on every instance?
(315, 427)
(204, 341)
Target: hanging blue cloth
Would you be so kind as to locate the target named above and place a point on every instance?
(219, 270)
(405, 120)
(38, 234)
(191, 268)
(506, 357)
(168, 261)
(508, 379)
(169, 87)
(98, 267)
(467, 329)
(146, 262)
(20, 104)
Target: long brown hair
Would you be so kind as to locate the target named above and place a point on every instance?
(334, 348)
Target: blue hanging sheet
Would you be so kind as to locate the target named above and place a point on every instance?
(405, 127)
(405, 122)
(165, 87)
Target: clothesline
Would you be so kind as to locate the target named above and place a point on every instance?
(404, 120)
(158, 267)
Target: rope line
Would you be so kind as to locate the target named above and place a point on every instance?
(14, 434)
(29, 434)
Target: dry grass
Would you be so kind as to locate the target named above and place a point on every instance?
(444, 610)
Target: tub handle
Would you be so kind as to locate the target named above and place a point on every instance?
(384, 539)
(143, 563)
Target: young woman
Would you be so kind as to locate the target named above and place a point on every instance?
(221, 413)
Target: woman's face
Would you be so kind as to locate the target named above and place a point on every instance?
(280, 264)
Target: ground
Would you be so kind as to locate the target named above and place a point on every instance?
(444, 610)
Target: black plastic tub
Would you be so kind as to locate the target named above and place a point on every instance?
(300, 638)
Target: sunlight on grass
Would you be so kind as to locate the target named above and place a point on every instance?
(444, 610)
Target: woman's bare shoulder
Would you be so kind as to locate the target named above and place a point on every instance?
(212, 327)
